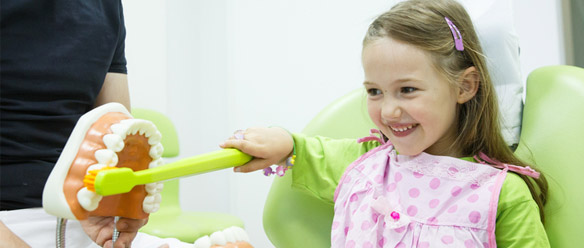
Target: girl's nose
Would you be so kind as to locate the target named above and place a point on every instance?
(391, 111)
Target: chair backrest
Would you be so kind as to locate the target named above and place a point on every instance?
(552, 137)
(169, 141)
(294, 218)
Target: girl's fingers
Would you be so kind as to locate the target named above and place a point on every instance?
(246, 146)
(268, 146)
(230, 143)
(254, 165)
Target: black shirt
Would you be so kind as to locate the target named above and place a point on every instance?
(55, 55)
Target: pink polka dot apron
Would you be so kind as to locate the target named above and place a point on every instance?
(390, 200)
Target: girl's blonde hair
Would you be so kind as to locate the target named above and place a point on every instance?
(421, 23)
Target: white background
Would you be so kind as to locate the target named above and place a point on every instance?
(215, 66)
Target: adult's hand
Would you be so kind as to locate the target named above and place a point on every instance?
(100, 230)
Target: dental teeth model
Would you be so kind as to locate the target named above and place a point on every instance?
(232, 237)
(104, 138)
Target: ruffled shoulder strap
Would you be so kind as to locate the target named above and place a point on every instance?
(374, 134)
(528, 171)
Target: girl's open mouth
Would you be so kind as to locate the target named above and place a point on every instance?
(401, 131)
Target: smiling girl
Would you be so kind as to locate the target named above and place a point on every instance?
(440, 174)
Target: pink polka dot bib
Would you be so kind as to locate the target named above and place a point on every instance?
(390, 200)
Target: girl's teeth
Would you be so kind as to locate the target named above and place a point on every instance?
(403, 128)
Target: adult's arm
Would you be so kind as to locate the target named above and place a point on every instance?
(9, 239)
(115, 89)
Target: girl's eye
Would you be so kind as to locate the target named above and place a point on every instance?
(407, 89)
(374, 92)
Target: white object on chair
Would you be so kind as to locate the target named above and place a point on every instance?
(493, 21)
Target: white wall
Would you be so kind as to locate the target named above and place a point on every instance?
(539, 26)
(215, 66)
(287, 61)
(146, 53)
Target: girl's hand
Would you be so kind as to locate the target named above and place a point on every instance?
(268, 146)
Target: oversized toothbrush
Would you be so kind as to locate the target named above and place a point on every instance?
(111, 181)
(112, 166)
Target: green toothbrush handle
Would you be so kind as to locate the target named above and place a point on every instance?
(122, 180)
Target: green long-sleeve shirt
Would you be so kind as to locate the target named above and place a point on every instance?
(321, 161)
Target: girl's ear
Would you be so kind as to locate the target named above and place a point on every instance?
(469, 85)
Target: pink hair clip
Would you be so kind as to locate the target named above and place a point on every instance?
(456, 34)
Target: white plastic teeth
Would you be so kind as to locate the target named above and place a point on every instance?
(401, 129)
(95, 167)
(134, 126)
(203, 242)
(151, 203)
(229, 235)
(89, 200)
(156, 163)
(154, 188)
(114, 143)
(156, 151)
(106, 157)
(218, 238)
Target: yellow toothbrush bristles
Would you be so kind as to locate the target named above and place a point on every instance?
(89, 179)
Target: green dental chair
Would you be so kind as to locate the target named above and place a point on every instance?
(171, 221)
(552, 137)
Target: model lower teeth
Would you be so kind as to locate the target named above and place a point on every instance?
(232, 234)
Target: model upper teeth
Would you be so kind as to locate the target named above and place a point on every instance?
(401, 129)
(106, 157)
(114, 142)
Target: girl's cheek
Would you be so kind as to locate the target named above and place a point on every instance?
(374, 113)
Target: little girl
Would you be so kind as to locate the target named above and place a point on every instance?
(438, 175)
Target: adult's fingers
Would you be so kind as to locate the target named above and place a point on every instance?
(130, 225)
(128, 229)
(99, 229)
(125, 239)
(104, 238)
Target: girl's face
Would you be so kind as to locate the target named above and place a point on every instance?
(408, 99)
